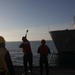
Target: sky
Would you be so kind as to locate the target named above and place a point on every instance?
(37, 16)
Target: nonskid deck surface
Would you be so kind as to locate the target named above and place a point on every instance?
(52, 71)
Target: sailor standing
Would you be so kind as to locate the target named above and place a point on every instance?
(6, 66)
(43, 50)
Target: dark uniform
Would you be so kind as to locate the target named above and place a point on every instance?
(43, 50)
(28, 57)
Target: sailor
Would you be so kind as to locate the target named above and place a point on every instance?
(6, 66)
(43, 50)
(28, 57)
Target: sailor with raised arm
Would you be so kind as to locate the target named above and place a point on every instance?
(28, 56)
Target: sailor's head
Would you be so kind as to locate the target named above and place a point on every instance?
(43, 42)
(2, 42)
(24, 38)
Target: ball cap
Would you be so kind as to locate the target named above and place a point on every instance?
(24, 38)
(43, 41)
(2, 39)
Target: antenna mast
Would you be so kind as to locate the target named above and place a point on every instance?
(74, 19)
(74, 22)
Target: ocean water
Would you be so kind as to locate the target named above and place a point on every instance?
(17, 54)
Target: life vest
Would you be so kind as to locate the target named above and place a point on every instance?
(43, 50)
(26, 48)
(3, 65)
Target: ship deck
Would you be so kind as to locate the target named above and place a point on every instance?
(65, 67)
(52, 71)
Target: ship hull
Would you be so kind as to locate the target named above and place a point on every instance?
(64, 40)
